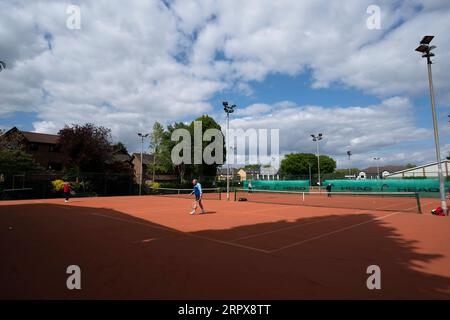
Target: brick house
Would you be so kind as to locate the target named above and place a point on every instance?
(42, 147)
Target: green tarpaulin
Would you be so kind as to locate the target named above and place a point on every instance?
(286, 185)
(426, 187)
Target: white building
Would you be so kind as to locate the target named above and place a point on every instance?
(269, 173)
(428, 170)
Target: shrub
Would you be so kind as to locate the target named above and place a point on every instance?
(58, 185)
(154, 185)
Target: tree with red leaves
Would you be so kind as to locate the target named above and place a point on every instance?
(85, 148)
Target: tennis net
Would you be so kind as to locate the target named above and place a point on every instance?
(207, 193)
(384, 201)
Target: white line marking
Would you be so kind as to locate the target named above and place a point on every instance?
(333, 232)
(287, 228)
(183, 233)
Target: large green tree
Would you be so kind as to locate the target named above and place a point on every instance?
(161, 146)
(206, 170)
(299, 164)
(353, 171)
(183, 169)
(16, 161)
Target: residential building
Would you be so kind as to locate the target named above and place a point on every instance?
(41, 146)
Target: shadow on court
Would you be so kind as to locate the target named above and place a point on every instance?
(123, 257)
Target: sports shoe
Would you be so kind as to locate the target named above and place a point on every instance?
(192, 212)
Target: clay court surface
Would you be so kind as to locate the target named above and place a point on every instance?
(150, 248)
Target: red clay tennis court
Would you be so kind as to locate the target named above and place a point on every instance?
(149, 247)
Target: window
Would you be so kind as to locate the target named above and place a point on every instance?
(34, 146)
(55, 166)
(53, 148)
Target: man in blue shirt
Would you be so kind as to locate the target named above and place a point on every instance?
(198, 196)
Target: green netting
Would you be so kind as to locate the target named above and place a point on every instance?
(286, 185)
(426, 187)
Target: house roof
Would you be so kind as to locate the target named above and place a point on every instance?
(224, 171)
(146, 158)
(41, 137)
(120, 157)
(34, 136)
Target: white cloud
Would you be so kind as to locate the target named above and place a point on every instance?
(366, 131)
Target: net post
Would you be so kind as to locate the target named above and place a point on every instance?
(418, 202)
(235, 194)
(219, 190)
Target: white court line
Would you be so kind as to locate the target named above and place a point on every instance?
(287, 228)
(333, 232)
(183, 233)
(314, 222)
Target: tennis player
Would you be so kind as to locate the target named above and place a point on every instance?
(66, 190)
(198, 196)
(329, 186)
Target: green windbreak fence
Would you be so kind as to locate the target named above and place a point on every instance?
(286, 185)
(425, 187)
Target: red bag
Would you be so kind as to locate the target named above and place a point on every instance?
(438, 212)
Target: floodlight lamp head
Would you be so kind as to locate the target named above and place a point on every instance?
(426, 39)
(225, 104)
(423, 48)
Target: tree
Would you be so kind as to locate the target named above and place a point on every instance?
(181, 169)
(353, 171)
(16, 161)
(85, 148)
(327, 164)
(119, 148)
(255, 167)
(448, 157)
(300, 163)
(13, 140)
(410, 165)
(159, 142)
(206, 170)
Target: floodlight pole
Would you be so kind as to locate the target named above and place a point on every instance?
(310, 180)
(142, 164)
(318, 163)
(378, 167)
(425, 49)
(436, 140)
(317, 139)
(228, 109)
(228, 150)
(349, 153)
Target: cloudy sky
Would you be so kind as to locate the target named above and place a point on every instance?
(299, 66)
